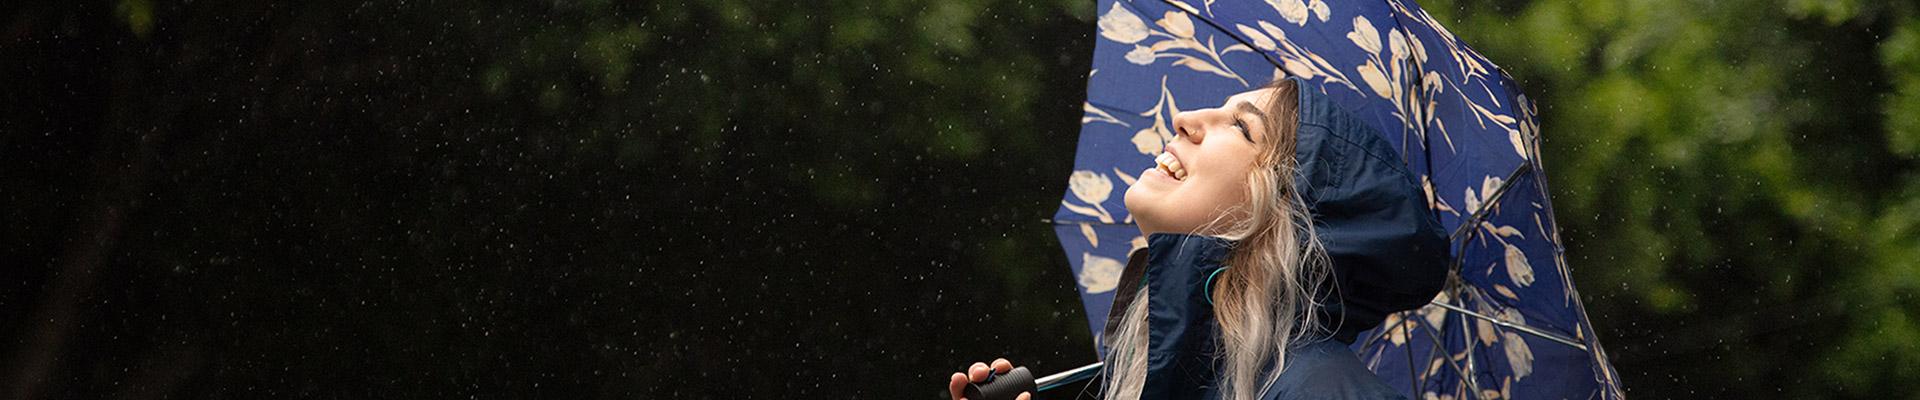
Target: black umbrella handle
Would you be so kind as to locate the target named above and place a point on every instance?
(1005, 386)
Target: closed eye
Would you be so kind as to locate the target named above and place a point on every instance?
(1247, 108)
(1244, 131)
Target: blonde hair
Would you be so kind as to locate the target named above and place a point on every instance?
(1264, 303)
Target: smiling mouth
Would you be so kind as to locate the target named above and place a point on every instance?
(1171, 165)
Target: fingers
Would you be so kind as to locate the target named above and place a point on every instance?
(956, 385)
(978, 372)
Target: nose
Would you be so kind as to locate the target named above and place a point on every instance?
(1189, 125)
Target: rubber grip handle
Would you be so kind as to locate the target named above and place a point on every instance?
(1003, 386)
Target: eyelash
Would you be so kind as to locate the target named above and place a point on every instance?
(1244, 131)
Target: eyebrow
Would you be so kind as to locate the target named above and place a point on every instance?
(1246, 107)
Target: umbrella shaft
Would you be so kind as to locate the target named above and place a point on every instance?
(1073, 375)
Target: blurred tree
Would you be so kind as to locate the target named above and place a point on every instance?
(718, 199)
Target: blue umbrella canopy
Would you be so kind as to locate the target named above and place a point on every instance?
(1508, 325)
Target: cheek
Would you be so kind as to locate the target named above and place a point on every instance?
(1225, 181)
(1216, 194)
(1221, 190)
(1232, 189)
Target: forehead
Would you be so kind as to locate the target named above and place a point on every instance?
(1259, 97)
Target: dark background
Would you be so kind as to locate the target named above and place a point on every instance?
(741, 199)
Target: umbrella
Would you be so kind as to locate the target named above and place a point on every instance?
(1508, 325)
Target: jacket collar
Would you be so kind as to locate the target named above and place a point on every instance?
(1162, 249)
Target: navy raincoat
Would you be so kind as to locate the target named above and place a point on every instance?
(1388, 255)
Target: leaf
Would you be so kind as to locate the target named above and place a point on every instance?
(1273, 31)
(1086, 229)
(1328, 69)
(1297, 68)
(1082, 210)
(1200, 65)
(1260, 40)
(1504, 291)
(1095, 114)
(1519, 145)
(1164, 45)
(1506, 231)
(1129, 179)
(1542, 227)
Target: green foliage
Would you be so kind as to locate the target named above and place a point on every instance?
(576, 199)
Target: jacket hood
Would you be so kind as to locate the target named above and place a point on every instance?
(1388, 251)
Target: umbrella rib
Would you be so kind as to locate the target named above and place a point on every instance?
(1514, 326)
(1105, 105)
(1412, 375)
(1070, 222)
(1473, 377)
(1487, 204)
(1062, 379)
(1441, 351)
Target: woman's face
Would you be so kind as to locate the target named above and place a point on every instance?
(1203, 172)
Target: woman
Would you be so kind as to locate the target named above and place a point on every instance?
(1279, 227)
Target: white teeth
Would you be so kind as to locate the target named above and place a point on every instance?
(1171, 165)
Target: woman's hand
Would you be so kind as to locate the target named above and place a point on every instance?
(978, 373)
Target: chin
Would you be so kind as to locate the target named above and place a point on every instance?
(1140, 203)
(1135, 199)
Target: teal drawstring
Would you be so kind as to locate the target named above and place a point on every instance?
(1210, 284)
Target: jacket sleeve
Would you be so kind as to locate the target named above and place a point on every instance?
(1180, 324)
